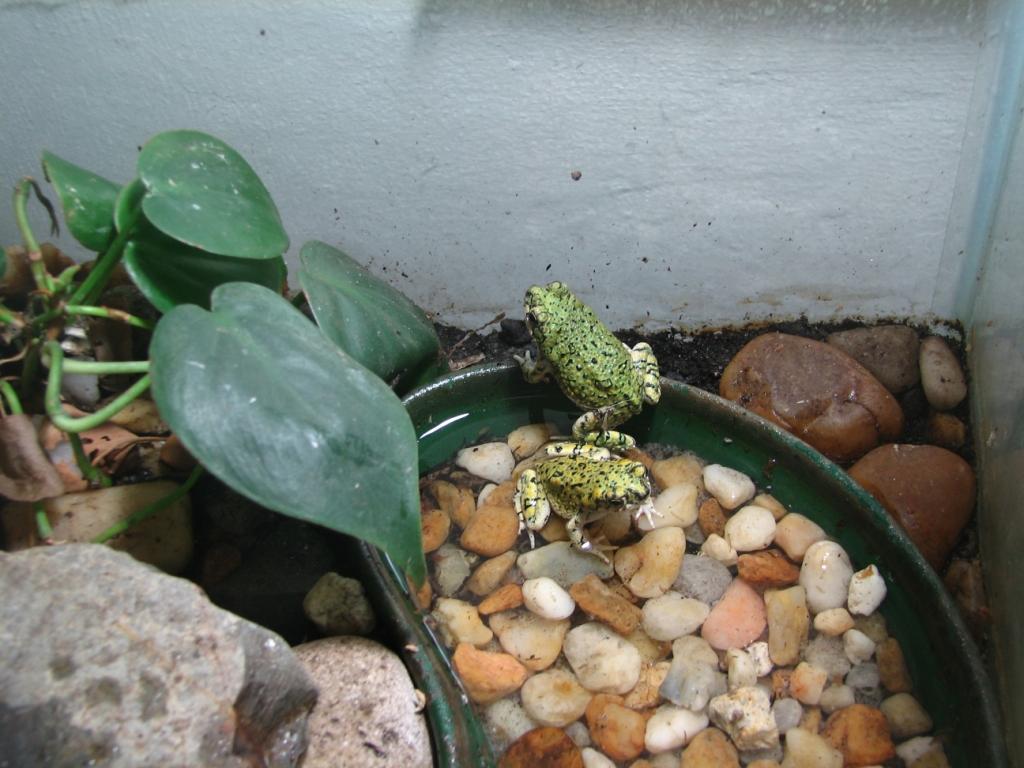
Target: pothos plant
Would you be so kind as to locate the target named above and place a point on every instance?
(297, 416)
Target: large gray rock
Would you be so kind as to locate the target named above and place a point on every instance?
(107, 662)
(368, 714)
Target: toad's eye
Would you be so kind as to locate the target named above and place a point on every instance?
(531, 317)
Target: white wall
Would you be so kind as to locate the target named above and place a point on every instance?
(737, 158)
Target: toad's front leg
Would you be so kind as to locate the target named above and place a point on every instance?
(531, 503)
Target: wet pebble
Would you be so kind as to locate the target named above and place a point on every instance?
(559, 561)
(788, 624)
(717, 548)
(746, 716)
(767, 569)
(750, 528)
(833, 621)
(737, 619)
(505, 721)
(730, 487)
(684, 468)
(487, 676)
(460, 622)
(338, 606)
(504, 598)
(905, 716)
(825, 575)
(544, 746)
(532, 639)
(555, 698)
(692, 682)
(674, 506)
(787, 713)
(451, 568)
(807, 683)
(861, 734)
(594, 759)
(491, 461)
(649, 567)
(795, 533)
(672, 727)
(809, 750)
(595, 598)
(858, 646)
(702, 578)
(617, 730)
(489, 574)
(671, 615)
(491, 530)
(526, 440)
(546, 598)
(836, 697)
(710, 749)
(603, 661)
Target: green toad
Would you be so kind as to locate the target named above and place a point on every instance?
(580, 483)
(600, 374)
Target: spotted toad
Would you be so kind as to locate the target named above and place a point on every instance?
(580, 483)
(600, 374)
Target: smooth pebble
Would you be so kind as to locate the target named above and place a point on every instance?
(672, 727)
(604, 662)
(546, 598)
(825, 575)
(672, 615)
(491, 461)
(729, 486)
(866, 591)
(750, 528)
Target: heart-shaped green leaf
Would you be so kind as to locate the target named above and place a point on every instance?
(170, 273)
(280, 414)
(202, 192)
(365, 316)
(87, 201)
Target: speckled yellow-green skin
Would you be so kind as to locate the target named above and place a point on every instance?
(593, 367)
(577, 484)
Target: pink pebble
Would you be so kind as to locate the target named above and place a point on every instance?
(737, 620)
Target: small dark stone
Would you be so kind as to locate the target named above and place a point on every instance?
(514, 332)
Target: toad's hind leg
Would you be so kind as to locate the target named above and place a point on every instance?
(579, 539)
(646, 365)
(591, 427)
(531, 503)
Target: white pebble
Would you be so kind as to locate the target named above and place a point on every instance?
(858, 646)
(491, 461)
(746, 717)
(804, 748)
(719, 549)
(825, 575)
(761, 657)
(787, 713)
(942, 378)
(604, 661)
(795, 533)
(672, 615)
(836, 697)
(807, 683)
(546, 598)
(672, 727)
(674, 506)
(524, 441)
(594, 759)
(750, 528)
(906, 716)
(741, 669)
(833, 621)
(459, 622)
(914, 749)
(554, 697)
(866, 592)
(730, 487)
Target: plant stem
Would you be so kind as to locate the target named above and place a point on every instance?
(151, 509)
(91, 288)
(89, 472)
(13, 401)
(7, 317)
(110, 314)
(43, 522)
(35, 257)
(70, 424)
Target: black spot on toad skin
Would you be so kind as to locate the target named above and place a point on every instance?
(62, 667)
(105, 690)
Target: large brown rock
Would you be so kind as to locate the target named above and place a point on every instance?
(814, 390)
(890, 352)
(928, 490)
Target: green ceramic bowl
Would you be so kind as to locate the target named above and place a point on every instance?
(489, 401)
